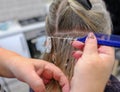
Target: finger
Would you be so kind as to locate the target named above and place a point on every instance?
(35, 82)
(46, 81)
(46, 76)
(78, 44)
(62, 81)
(106, 50)
(90, 44)
(77, 54)
(58, 75)
(107, 53)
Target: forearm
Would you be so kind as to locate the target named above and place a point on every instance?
(5, 61)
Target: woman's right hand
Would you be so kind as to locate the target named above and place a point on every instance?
(94, 66)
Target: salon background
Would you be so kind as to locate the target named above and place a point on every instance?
(113, 7)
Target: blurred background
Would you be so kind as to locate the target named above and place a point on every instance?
(113, 7)
(22, 30)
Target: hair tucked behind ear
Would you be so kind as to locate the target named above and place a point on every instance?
(68, 18)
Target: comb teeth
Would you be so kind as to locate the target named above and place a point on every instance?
(66, 38)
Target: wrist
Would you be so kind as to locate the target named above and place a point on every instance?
(6, 60)
(86, 85)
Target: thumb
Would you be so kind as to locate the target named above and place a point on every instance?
(35, 82)
(90, 44)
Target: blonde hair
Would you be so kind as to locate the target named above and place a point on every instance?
(68, 18)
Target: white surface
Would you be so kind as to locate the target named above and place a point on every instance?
(13, 85)
(13, 39)
(16, 43)
(18, 29)
(21, 9)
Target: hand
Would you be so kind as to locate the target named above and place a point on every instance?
(32, 71)
(94, 66)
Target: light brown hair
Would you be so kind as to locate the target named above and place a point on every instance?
(68, 18)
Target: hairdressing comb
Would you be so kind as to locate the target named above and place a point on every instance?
(104, 39)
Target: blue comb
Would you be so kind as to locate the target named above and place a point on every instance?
(104, 39)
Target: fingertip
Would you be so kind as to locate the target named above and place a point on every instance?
(91, 39)
(63, 81)
(35, 82)
(66, 88)
(77, 54)
(59, 76)
(90, 44)
(77, 44)
(39, 86)
(64, 84)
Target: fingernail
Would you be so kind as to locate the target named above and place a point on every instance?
(91, 35)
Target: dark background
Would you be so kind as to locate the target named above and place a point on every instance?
(113, 7)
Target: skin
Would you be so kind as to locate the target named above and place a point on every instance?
(34, 72)
(94, 66)
(91, 73)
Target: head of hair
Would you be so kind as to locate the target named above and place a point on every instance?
(68, 18)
